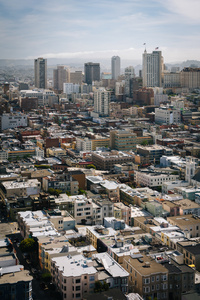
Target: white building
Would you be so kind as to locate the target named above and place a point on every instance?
(8, 121)
(171, 79)
(70, 88)
(44, 96)
(101, 101)
(115, 67)
(83, 144)
(152, 69)
(152, 178)
(167, 186)
(167, 115)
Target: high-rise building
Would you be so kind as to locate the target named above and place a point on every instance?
(152, 69)
(129, 75)
(76, 77)
(101, 102)
(40, 67)
(60, 76)
(115, 67)
(92, 72)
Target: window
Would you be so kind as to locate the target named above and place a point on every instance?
(152, 278)
(146, 289)
(146, 280)
(157, 278)
(91, 285)
(91, 278)
(164, 277)
(78, 288)
(153, 288)
(85, 277)
(78, 295)
(124, 280)
(116, 280)
(157, 287)
(78, 280)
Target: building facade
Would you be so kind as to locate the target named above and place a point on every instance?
(40, 68)
(92, 72)
(152, 69)
(115, 67)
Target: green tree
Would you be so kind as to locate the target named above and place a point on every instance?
(55, 192)
(82, 192)
(91, 166)
(144, 143)
(46, 276)
(98, 287)
(28, 245)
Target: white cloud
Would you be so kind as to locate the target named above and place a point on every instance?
(188, 9)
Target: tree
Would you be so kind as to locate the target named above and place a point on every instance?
(97, 286)
(144, 143)
(82, 192)
(91, 166)
(28, 245)
(100, 287)
(55, 192)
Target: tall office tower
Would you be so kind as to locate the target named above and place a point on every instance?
(76, 77)
(101, 101)
(60, 76)
(115, 67)
(152, 69)
(92, 72)
(129, 75)
(40, 66)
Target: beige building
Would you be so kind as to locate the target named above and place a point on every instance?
(107, 160)
(188, 223)
(60, 76)
(190, 78)
(146, 277)
(20, 188)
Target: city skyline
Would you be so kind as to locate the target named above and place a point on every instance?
(99, 30)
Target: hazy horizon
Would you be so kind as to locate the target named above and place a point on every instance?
(99, 29)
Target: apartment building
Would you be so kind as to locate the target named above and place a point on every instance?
(15, 283)
(75, 275)
(167, 115)
(152, 179)
(68, 184)
(154, 152)
(107, 160)
(191, 252)
(8, 121)
(187, 223)
(20, 188)
(146, 277)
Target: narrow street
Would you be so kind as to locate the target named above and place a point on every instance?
(38, 292)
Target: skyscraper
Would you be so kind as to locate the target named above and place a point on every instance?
(152, 69)
(115, 67)
(92, 72)
(129, 75)
(101, 101)
(40, 67)
(60, 76)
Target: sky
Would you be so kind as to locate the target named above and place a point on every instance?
(95, 29)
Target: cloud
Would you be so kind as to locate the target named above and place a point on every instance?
(189, 10)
